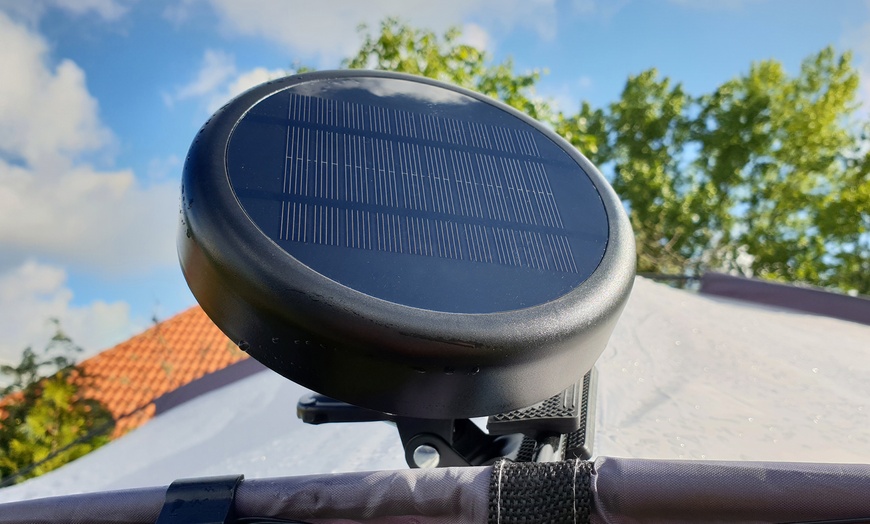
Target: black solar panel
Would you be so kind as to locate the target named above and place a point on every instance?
(402, 244)
(463, 208)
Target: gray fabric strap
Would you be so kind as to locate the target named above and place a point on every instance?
(548, 493)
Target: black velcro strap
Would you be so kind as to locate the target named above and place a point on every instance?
(547, 493)
(207, 500)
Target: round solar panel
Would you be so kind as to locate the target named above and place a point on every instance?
(402, 244)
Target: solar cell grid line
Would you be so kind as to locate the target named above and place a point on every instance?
(354, 156)
(478, 188)
(540, 175)
(541, 198)
(477, 135)
(283, 220)
(529, 195)
(304, 141)
(293, 224)
(330, 211)
(523, 193)
(426, 242)
(379, 175)
(396, 232)
(485, 169)
(347, 228)
(319, 106)
(412, 244)
(572, 263)
(459, 173)
(531, 259)
(303, 226)
(439, 240)
(441, 195)
(362, 215)
(545, 255)
(453, 227)
(292, 159)
(326, 164)
(431, 128)
(469, 245)
(398, 174)
(481, 233)
(415, 243)
(540, 257)
(452, 230)
(316, 232)
(383, 244)
(428, 224)
(391, 233)
(397, 116)
(470, 186)
(355, 236)
(354, 228)
(300, 217)
(333, 166)
(503, 246)
(392, 189)
(515, 247)
(473, 248)
(496, 138)
(417, 179)
(405, 173)
(458, 132)
(567, 255)
(529, 254)
(419, 241)
(508, 168)
(314, 163)
(385, 179)
(293, 221)
(287, 161)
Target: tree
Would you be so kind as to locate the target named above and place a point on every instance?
(44, 422)
(768, 174)
(786, 171)
(403, 49)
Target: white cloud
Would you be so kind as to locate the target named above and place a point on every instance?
(57, 212)
(33, 293)
(567, 96)
(476, 36)
(101, 221)
(328, 30)
(218, 81)
(45, 112)
(51, 204)
(242, 83)
(217, 67)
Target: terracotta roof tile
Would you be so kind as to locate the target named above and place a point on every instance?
(163, 358)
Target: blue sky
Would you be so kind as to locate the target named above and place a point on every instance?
(99, 100)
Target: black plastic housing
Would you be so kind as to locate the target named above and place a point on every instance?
(433, 345)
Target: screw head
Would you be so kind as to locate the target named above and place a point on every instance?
(426, 456)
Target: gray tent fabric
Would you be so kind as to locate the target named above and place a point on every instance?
(608, 490)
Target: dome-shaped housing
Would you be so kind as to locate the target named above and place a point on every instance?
(401, 244)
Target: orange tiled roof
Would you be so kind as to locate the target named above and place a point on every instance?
(163, 358)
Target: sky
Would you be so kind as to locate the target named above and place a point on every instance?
(100, 99)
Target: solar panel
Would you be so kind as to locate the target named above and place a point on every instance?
(377, 216)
